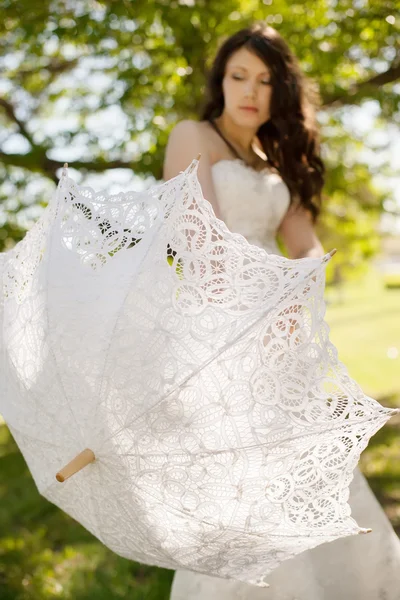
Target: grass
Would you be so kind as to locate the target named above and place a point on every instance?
(365, 327)
(44, 554)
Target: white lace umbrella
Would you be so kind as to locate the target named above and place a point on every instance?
(187, 375)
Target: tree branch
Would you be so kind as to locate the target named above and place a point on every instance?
(362, 88)
(55, 67)
(10, 112)
(42, 164)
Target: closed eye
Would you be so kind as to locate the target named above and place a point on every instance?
(241, 79)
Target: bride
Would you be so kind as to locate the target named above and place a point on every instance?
(261, 170)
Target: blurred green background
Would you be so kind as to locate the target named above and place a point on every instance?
(100, 85)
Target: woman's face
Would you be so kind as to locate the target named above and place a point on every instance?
(247, 83)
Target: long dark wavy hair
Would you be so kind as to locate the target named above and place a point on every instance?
(290, 137)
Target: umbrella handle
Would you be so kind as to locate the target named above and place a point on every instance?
(77, 464)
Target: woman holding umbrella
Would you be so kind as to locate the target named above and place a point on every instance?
(262, 172)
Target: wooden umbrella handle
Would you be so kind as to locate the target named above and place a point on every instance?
(77, 464)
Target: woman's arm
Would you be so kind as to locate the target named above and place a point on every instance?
(299, 237)
(185, 142)
(298, 234)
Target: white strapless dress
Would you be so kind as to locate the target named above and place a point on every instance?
(363, 567)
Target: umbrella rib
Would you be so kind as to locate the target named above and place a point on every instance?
(377, 424)
(385, 416)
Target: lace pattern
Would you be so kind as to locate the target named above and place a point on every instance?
(196, 366)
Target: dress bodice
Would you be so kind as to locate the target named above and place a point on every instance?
(251, 202)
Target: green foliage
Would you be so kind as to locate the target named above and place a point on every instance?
(102, 84)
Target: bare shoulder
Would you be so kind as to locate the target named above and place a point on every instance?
(202, 126)
(201, 132)
(186, 125)
(186, 140)
(201, 135)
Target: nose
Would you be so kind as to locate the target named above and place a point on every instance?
(250, 89)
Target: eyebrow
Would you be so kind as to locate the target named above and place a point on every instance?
(244, 68)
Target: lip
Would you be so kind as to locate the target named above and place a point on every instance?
(250, 108)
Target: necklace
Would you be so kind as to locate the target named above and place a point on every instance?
(227, 142)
